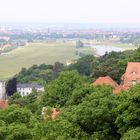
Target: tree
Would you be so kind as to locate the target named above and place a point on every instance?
(128, 110)
(18, 124)
(78, 95)
(60, 90)
(57, 68)
(95, 115)
(136, 55)
(18, 132)
(63, 129)
(14, 99)
(15, 114)
(79, 44)
(31, 101)
(112, 64)
(84, 65)
(11, 86)
(132, 134)
(40, 74)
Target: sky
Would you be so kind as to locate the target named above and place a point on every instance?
(71, 11)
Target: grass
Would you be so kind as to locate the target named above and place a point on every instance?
(48, 53)
(37, 53)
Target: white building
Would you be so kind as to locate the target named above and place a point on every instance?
(26, 89)
(2, 91)
(69, 62)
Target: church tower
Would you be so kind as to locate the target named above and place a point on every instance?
(2, 91)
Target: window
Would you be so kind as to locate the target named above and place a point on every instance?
(134, 82)
(23, 94)
(134, 73)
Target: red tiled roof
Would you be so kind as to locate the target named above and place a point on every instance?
(3, 104)
(124, 87)
(131, 74)
(106, 80)
(117, 90)
(54, 113)
(132, 67)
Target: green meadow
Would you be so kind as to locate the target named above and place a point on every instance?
(38, 53)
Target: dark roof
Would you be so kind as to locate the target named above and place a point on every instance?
(29, 86)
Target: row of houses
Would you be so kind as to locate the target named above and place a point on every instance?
(129, 78)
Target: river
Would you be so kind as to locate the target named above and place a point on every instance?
(102, 49)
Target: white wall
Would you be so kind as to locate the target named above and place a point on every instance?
(2, 91)
(26, 91)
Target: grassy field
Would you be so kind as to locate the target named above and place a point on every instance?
(37, 53)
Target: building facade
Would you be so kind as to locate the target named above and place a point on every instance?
(131, 75)
(26, 89)
(2, 91)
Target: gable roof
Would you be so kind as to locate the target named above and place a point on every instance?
(132, 67)
(3, 104)
(107, 80)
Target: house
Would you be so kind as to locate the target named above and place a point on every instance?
(107, 80)
(3, 104)
(129, 78)
(26, 89)
(131, 75)
(69, 62)
(52, 113)
(2, 91)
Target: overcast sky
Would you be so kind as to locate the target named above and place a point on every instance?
(73, 11)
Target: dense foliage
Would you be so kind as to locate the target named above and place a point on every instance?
(112, 64)
(131, 38)
(86, 112)
(60, 90)
(41, 74)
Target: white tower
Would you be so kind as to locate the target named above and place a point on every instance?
(2, 91)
